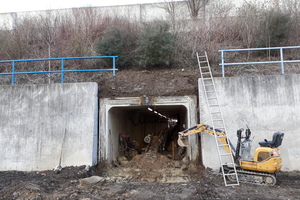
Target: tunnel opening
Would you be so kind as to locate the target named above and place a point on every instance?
(151, 126)
(137, 129)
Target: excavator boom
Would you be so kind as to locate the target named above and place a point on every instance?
(183, 139)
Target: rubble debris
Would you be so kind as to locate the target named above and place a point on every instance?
(91, 180)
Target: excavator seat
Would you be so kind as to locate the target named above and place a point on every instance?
(276, 142)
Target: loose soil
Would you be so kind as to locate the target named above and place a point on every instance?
(149, 175)
(129, 83)
(202, 184)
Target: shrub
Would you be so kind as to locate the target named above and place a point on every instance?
(119, 42)
(155, 45)
(275, 29)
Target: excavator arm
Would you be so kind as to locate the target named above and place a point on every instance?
(199, 128)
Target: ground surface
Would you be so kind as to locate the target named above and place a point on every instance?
(146, 176)
(204, 185)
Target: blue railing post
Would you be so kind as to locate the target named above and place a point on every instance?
(114, 66)
(62, 70)
(281, 59)
(223, 67)
(13, 69)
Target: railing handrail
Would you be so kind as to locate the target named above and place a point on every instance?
(62, 71)
(281, 61)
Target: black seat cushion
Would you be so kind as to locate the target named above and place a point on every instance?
(276, 142)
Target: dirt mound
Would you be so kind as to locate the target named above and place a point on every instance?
(151, 166)
(129, 83)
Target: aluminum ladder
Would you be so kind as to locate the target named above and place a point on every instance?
(226, 157)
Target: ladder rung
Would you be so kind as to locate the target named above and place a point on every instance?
(222, 136)
(225, 164)
(234, 184)
(223, 145)
(223, 129)
(230, 174)
(226, 154)
(212, 98)
(218, 128)
(210, 91)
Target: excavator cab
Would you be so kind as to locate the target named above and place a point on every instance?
(266, 157)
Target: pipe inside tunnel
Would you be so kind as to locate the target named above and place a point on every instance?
(138, 120)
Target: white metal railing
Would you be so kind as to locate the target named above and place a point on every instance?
(281, 61)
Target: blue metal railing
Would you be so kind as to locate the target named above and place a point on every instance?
(281, 61)
(62, 71)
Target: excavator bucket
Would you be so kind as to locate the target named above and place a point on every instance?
(183, 141)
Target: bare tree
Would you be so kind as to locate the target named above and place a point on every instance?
(170, 8)
(194, 7)
(48, 29)
(248, 23)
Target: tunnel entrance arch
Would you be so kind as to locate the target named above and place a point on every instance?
(138, 117)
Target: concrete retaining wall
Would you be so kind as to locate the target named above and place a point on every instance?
(266, 104)
(35, 118)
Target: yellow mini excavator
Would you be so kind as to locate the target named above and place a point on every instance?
(259, 169)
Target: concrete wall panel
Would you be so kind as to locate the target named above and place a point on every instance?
(266, 104)
(35, 118)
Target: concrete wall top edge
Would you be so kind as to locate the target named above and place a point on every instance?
(160, 97)
(145, 101)
(257, 76)
(37, 85)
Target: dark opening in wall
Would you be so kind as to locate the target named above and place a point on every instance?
(135, 128)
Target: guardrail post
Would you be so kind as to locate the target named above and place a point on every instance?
(281, 59)
(13, 68)
(114, 66)
(62, 70)
(223, 67)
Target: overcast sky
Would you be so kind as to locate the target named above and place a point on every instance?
(29, 5)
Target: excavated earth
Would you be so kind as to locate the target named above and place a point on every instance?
(149, 175)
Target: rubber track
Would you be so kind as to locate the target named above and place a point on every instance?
(239, 172)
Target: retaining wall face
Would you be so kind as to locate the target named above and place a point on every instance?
(266, 104)
(34, 119)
